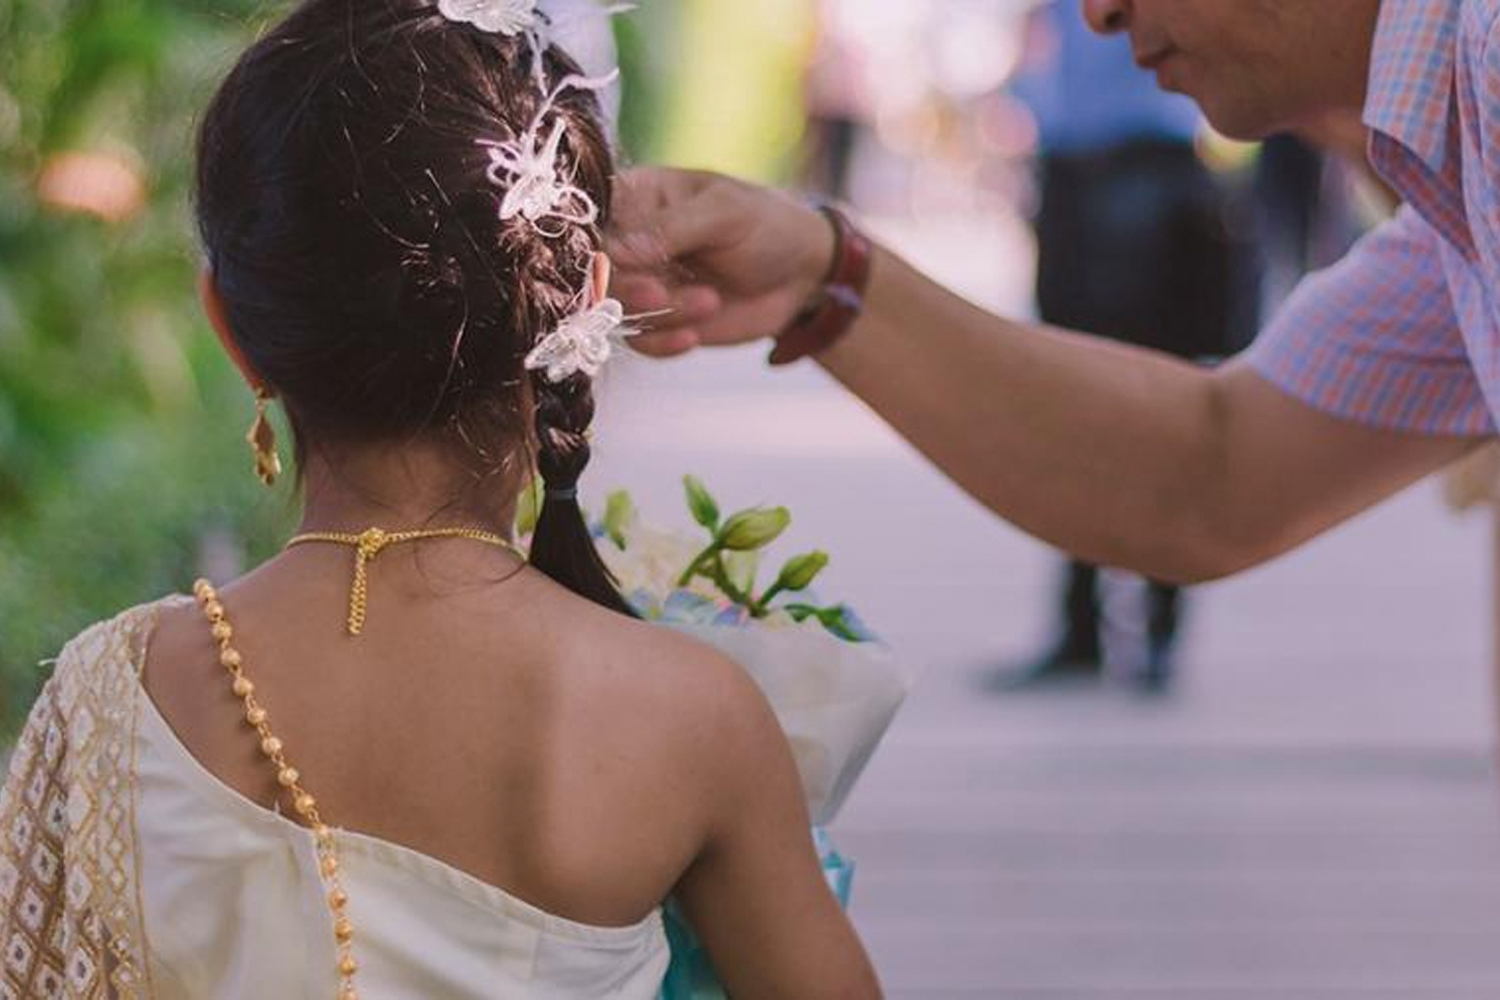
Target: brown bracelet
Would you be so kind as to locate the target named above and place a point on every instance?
(832, 310)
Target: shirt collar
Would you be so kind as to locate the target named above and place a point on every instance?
(1411, 76)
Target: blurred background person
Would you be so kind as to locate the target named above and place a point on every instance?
(1134, 243)
(837, 105)
(1289, 183)
(1314, 196)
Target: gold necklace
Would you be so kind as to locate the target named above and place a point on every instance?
(290, 779)
(370, 543)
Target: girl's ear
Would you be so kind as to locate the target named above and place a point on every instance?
(218, 318)
(599, 274)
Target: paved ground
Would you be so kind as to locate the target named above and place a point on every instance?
(1313, 814)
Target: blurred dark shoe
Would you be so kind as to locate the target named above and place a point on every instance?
(1066, 663)
(1154, 675)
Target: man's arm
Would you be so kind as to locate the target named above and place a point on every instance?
(1120, 455)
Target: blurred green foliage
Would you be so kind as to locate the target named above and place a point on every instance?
(737, 85)
(120, 424)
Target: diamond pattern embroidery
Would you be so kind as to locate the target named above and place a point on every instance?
(45, 865)
(69, 907)
(18, 955)
(32, 910)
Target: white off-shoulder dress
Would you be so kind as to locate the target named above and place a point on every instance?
(125, 861)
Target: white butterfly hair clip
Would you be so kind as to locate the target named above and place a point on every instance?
(527, 167)
(584, 342)
(525, 17)
(497, 17)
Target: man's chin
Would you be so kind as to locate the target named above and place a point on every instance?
(1238, 122)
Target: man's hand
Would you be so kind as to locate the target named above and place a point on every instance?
(729, 261)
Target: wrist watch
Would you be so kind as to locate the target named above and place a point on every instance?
(840, 300)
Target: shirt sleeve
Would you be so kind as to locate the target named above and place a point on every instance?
(1375, 339)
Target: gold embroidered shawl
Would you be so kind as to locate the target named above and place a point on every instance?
(71, 921)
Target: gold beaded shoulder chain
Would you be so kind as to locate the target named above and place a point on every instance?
(288, 778)
(368, 545)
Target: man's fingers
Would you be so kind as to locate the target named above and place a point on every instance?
(695, 304)
(664, 215)
(706, 222)
(745, 320)
(662, 305)
(665, 345)
(633, 244)
(651, 189)
(642, 197)
(642, 293)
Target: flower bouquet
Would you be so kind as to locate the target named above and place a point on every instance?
(833, 686)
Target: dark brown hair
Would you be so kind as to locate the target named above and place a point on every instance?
(365, 270)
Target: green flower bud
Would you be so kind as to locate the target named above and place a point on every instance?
(800, 572)
(704, 508)
(619, 517)
(754, 529)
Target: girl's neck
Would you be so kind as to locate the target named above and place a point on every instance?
(401, 488)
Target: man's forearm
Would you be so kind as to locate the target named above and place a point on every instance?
(1117, 454)
(1106, 451)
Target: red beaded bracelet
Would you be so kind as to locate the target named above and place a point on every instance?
(830, 313)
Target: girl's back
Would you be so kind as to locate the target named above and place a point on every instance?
(523, 778)
(510, 729)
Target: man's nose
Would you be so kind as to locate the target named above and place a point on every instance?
(1107, 17)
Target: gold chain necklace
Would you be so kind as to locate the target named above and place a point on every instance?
(290, 779)
(370, 543)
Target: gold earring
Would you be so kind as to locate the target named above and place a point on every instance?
(262, 438)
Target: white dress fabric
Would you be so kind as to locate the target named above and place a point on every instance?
(234, 909)
(187, 890)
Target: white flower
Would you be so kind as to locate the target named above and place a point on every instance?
(583, 343)
(498, 17)
(653, 561)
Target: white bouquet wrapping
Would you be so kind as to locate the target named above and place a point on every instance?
(834, 699)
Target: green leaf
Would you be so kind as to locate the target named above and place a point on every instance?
(619, 517)
(701, 503)
(529, 507)
(835, 620)
(754, 529)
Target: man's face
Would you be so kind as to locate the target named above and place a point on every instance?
(1254, 66)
